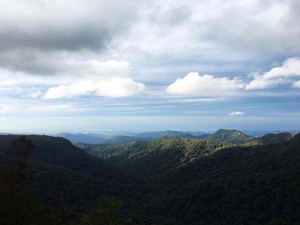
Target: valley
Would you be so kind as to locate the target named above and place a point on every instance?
(165, 180)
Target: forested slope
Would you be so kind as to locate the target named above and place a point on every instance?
(172, 180)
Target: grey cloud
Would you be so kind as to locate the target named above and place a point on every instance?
(215, 36)
(270, 27)
(40, 36)
(81, 37)
(32, 61)
(69, 25)
(241, 36)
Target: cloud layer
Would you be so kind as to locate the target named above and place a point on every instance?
(108, 79)
(206, 85)
(70, 24)
(287, 73)
(41, 37)
(137, 58)
(111, 87)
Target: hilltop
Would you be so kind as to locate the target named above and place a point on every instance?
(232, 136)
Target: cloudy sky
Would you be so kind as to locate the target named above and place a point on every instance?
(108, 65)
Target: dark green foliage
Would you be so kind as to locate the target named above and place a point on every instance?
(106, 213)
(45, 180)
(259, 199)
(275, 138)
(46, 172)
(18, 206)
(149, 159)
(242, 185)
(60, 152)
(202, 182)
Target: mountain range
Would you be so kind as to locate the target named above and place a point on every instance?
(164, 181)
(222, 135)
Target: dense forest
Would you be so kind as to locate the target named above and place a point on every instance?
(163, 181)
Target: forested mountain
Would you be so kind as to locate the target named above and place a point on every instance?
(54, 175)
(231, 136)
(153, 157)
(222, 135)
(150, 158)
(276, 138)
(122, 139)
(59, 152)
(171, 180)
(239, 185)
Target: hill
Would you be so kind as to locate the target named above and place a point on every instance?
(276, 138)
(222, 135)
(166, 181)
(150, 158)
(231, 136)
(59, 152)
(238, 185)
(203, 182)
(54, 175)
(122, 139)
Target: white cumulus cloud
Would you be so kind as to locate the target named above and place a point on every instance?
(108, 79)
(70, 90)
(286, 73)
(111, 87)
(118, 87)
(237, 113)
(205, 85)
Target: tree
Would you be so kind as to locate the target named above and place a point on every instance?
(106, 214)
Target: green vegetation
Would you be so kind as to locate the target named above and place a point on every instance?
(172, 180)
(275, 138)
(222, 135)
(249, 185)
(106, 213)
(149, 159)
(231, 136)
(45, 177)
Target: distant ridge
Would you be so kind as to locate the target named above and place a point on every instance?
(90, 138)
(276, 138)
(160, 134)
(221, 135)
(232, 136)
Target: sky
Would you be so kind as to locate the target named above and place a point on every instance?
(115, 65)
